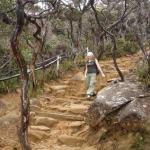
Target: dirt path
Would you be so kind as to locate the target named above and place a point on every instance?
(57, 117)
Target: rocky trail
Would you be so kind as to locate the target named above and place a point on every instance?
(58, 115)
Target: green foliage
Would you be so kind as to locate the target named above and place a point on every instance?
(27, 54)
(142, 72)
(6, 4)
(139, 143)
(123, 48)
(9, 85)
(67, 65)
(73, 14)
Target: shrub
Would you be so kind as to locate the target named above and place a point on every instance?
(142, 72)
(67, 65)
(123, 48)
(9, 85)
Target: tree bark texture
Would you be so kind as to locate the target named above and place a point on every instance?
(23, 129)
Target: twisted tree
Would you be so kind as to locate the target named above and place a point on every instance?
(22, 19)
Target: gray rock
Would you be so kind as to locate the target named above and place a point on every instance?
(132, 109)
(118, 100)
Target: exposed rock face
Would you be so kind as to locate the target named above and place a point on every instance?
(120, 102)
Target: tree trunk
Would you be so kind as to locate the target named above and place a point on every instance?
(101, 48)
(114, 58)
(23, 129)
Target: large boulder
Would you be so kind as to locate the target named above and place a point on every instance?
(117, 103)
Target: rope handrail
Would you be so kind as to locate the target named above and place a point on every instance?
(29, 71)
(38, 64)
(62, 56)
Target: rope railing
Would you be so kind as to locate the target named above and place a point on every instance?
(49, 61)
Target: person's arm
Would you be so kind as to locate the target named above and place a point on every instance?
(85, 73)
(99, 68)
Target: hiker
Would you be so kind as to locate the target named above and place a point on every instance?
(92, 69)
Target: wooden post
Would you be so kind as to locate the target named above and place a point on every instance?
(58, 64)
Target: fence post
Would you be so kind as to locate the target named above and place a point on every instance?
(58, 64)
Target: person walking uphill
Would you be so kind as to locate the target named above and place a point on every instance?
(92, 69)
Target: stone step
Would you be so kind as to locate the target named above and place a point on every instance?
(40, 128)
(46, 121)
(58, 87)
(58, 99)
(61, 116)
(72, 108)
(76, 98)
(70, 140)
(77, 109)
(64, 147)
(76, 124)
(37, 135)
